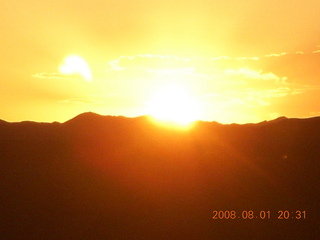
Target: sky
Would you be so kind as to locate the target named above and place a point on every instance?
(236, 61)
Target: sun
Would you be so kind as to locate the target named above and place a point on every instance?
(174, 105)
(76, 65)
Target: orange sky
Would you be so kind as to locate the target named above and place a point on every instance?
(243, 61)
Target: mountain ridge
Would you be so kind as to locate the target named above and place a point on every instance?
(102, 177)
(89, 116)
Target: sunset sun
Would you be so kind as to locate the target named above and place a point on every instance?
(174, 105)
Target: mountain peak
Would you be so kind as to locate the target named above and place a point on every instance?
(84, 117)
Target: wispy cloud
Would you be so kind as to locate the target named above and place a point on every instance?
(249, 97)
(56, 76)
(222, 82)
(253, 74)
(45, 75)
(92, 100)
(84, 101)
(275, 54)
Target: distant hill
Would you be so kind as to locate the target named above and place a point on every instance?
(105, 177)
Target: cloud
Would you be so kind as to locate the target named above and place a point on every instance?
(299, 67)
(268, 76)
(275, 54)
(91, 100)
(202, 66)
(224, 83)
(266, 72)
(83, 101)
(314, 114)
(45, 75)
(73, 67)
(149, 62)
(252, 74)
(76, 65)
(55, 76)
(248, 97)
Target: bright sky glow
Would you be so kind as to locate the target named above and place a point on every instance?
(241, 61)
(172, 104)
(76, 65)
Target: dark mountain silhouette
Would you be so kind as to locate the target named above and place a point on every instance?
(103, 177)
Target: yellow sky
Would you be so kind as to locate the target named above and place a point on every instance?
(242, 61)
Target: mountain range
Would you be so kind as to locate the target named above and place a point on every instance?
(107, 177)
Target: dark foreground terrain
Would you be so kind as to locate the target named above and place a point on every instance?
(100, 177)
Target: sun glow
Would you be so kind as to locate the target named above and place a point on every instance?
(173, 105)
(76, 65)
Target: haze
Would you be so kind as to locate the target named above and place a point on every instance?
(242, 61)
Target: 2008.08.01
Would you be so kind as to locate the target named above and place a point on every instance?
(249, 214)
